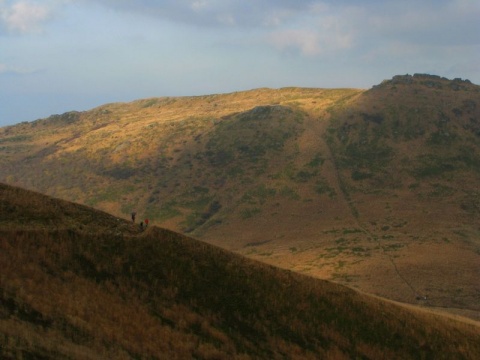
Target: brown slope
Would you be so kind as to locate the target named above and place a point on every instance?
(362, 187)
(77, 291)
(408, 158)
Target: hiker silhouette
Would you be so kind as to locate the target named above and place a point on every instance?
(133, 216)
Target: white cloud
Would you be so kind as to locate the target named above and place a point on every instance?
(198, 5)
(307, 42)
(7, 69)
(321, 31)
(311, 42)
(212, 13)
(450, 22)
(23, 16)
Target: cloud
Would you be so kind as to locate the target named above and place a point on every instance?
(425, 21)
(305, 41)
(320, 31)
(310, 42)
(441, 23)
(23, 16)
(304, 27)
(321, 27)
(215, 13)
(7, 69)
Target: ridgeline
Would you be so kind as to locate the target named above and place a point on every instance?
(77, 283)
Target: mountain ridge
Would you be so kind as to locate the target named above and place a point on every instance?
(375, 189)
(92, 286)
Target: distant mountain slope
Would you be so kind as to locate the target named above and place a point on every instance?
(376, 189)
(79, 284)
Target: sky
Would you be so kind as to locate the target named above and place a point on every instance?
(63, 55)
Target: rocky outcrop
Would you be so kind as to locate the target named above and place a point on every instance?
(427, 80)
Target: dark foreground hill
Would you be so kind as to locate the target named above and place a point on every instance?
(377, 189)
(80, 284)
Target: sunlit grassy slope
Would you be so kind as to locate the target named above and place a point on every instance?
(376, 189)
(80, 284)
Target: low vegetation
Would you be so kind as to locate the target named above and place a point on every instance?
(81, 284)
(286, 168)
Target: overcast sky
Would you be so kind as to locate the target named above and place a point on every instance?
(62, 55)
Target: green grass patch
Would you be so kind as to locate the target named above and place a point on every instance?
(341, 241)
(249, 212)
(358, 175)
(372, 156)
(441, 138)
(352, 231)
(317, 161)
(322, 187)
(303, 176)
(440, 190)
(290, 193)
(17, 138)
(393, 247)
(112, 193)
(259, 195)
(163, 212)
(432, 166)
(149, 103)
(358, 250)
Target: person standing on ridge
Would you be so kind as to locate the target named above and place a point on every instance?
(133, 216)
(146, 223)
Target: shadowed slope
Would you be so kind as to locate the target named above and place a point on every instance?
(77, 290)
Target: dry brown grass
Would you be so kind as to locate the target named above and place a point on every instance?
(78, 290)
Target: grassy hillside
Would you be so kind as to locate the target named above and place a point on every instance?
(375, 189)
(80, 284)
